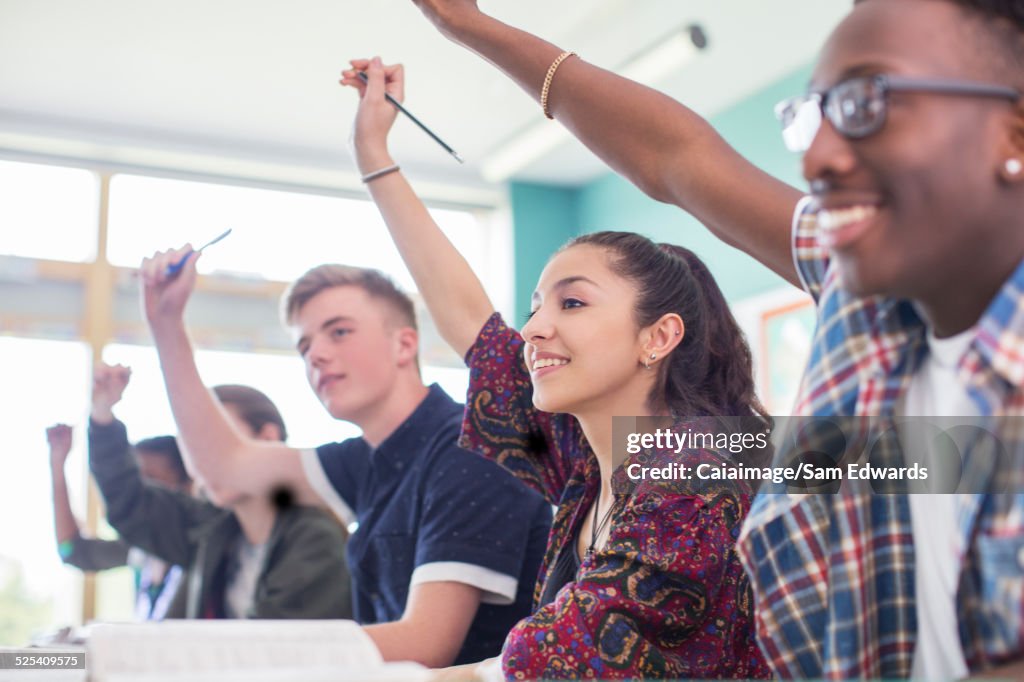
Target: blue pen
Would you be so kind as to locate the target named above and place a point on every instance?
(175, 268)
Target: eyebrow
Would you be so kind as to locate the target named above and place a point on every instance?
(327, 323)
(565, 282)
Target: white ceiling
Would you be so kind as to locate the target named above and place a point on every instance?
(250, 86)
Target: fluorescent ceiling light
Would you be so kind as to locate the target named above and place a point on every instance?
(648, 67)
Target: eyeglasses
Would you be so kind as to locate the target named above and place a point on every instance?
(856, 107)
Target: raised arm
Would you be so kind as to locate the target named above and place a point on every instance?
(88, 554)
(453, 294)
(230, 465)
(148, 516)
(664, 148)
(65, 524)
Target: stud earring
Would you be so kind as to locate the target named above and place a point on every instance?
(1013, 166)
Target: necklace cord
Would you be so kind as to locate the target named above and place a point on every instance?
(597, 528)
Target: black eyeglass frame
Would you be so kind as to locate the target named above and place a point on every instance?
(787, 110)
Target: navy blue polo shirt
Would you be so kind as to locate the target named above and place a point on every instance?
(430, 511)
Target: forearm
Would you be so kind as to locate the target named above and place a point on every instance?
(211, 444)
(415, 641)
(652, 131)
(663, 147)
(147, 516)
(115, 470)
(453, 293)
(434, 626)
(93, 554)
(65, 524)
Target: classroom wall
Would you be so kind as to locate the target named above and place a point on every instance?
(544, 217)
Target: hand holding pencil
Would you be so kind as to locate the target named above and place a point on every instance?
(393, 93)
(165, 292)
(375, 115)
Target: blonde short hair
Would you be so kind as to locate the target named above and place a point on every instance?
(374, 282)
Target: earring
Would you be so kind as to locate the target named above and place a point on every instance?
(1013, 166)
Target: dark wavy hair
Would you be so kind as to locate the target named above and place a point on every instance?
(710, 373)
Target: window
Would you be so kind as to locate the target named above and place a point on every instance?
(44, 382)
(48, 211)
(277, 235)
(52, 213)
(146, 411)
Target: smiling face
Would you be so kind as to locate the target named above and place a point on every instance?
(916, 207)
(353, 349)
(583, 347)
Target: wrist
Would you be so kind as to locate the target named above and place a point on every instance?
(373, 159)
(166, 325)
(102, 416)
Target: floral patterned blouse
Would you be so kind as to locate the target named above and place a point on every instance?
(665, 598)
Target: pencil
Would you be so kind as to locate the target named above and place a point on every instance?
(428, 131)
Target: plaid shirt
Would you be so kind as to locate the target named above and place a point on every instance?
(833, 575)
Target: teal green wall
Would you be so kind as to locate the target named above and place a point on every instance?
(544, 217)
(612, 203)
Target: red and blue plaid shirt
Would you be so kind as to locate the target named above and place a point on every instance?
(833, 575)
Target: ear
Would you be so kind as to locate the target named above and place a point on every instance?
(269, 431)
(407, 346)
(662, 338)
(1011, 169)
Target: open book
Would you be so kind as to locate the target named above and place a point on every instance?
(250, 650)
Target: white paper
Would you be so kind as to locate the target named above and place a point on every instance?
(255, 647)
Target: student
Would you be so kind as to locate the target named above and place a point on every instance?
(638, 582)
(156, 582)
(251, 560)
(448, 545)
(911, 243)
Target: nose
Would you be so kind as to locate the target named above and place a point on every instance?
(539, 327)
(317, 354)
(831, 155)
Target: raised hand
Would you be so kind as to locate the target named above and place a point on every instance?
(375, 115)
(108, 384)
(454, 295)
(164, 296)
(59, 438)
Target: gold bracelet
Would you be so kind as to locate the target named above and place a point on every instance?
(549, 77)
